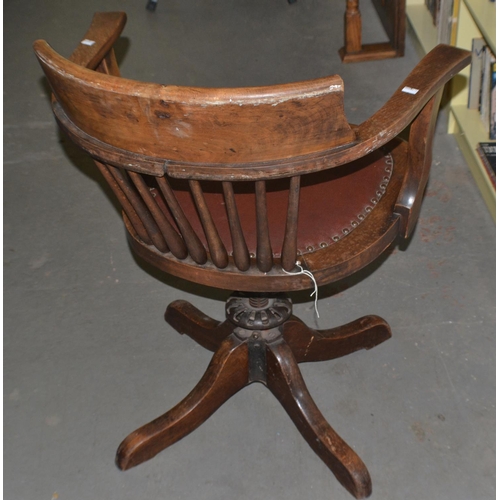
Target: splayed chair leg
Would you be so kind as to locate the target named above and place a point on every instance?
(321, 345)
(189, 320)
(285, 381)
(224, 377)
(260, 341)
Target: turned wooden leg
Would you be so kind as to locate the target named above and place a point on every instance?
(355, 51)
(321, 345)
(286, 383)
(352, 26)
(189, 320)
(225, 376)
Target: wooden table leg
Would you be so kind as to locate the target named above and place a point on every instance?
(392, 16)
(352, 27)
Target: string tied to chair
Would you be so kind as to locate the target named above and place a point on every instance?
(313, 279)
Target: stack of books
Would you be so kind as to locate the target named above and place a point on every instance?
(482, 85)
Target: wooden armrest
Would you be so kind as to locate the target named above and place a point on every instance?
(430, 74)
(105, 28)
(416, 102)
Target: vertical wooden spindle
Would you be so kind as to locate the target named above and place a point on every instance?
(108, 65)
(352, 27)
(195, 246)
(218, 252)
(264, 250)
(142, 211)
(240, 249)
(289, 252)
(125, 204)
(172, 237)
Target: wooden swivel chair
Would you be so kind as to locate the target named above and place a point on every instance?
(246, 189)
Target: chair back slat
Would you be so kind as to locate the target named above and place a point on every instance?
(218, 252)
(289, 252)
(240, 249)
(194, 245)
(127, 207)
(141, 209)
(264, 250)
(174, 241)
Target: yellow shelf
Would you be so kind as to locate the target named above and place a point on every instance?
(484, 14)
(421, 26)
(476, 18)
(469, 130)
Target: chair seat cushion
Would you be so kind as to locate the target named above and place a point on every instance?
(332, 204)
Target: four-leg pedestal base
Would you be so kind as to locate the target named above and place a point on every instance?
(270, 356)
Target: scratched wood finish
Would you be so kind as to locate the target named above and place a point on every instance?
(196, 124)
(435, 69)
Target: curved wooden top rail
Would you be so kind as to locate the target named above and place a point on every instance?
(427, 78)
(198, 125)
(224, 134)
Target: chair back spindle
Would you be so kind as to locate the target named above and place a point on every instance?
(121, 177)
(194, 245)
(217, 250)
(289, 252)
(127, 206)
(172, 238)
(264, 250)
(240, 249)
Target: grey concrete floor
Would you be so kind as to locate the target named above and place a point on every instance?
(88, 357)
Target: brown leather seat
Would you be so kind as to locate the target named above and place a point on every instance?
(333, 203)
(263, 190)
